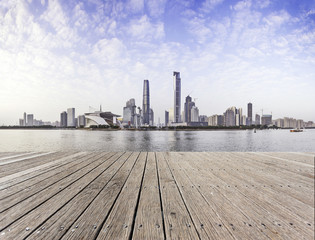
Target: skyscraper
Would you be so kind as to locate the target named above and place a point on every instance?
(257, 119)
(250, 113)
(24, 123)
(167, 117)
(63, 119)
(30, 120)
(129, 112)
(177, 96)
(146, 102)
(71, 117)
(187, 109)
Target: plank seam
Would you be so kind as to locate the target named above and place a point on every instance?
(138, 200)
(160, 195)
(180, 193)
(111, 208)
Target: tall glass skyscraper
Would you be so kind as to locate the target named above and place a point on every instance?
(177, 96)
(146, 102)
(250, 113)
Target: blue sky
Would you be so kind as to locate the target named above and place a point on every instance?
(60, 54)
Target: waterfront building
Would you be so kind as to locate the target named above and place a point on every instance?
(299, 123)
(98, 118)
(177, 96)
(240, 112)
(229, 117)
(257, 119)
(151, 117)
(266, 120)
(187, 109)
(279, 123)
(203, 118)
(146, 103)
(63, 119)
(194, 114)
(71, 117)
(21, 122)
(81, 121)
(250, 113)
(167, 118)
(243, 120)
(213, 120)
(24, 119)
(237, 119)
(129, 112)
(30, 120)
(171, 115)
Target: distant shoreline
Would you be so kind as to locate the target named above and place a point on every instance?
(146, 129)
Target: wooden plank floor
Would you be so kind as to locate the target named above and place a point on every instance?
(156, 195)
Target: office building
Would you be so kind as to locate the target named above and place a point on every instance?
(81, 121)
(167, 118)
(187, 109)
(240, 112)
(30, 120)
(21, 122)
(249, 113)
(266, 120)
(129, 112)
(203, 118)
(146, 103)
(237, 119)
(63, 119)
(194, 114)
(229, 117)
(151, 117)
(71, 117)
(257, 119)
(24, 118)
(177, 96)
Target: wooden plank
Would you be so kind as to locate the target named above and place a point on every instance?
(119, 223)
(42, 184)
(148, 223)
(88, 225)
(206, 220)
(21, 227)
(12, 214)
(294, 156)
(264, 205)
(15, 167)
(68, 214)
(178, 223)
(15, 178)
(42, 176)
(7, 156)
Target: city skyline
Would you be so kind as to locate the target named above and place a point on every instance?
(55, 55)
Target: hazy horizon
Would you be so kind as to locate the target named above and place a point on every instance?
(56, 55)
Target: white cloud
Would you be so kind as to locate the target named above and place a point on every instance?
(143, 29)
(156, 8)
(209, 5)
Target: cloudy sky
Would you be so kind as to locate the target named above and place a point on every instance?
(60, 54)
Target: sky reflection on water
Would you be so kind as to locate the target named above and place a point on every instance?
(82, 140)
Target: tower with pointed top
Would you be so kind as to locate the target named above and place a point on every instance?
(146, 103)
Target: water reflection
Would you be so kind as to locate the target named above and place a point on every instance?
(81, 140)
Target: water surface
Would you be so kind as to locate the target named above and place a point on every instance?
(84, 140)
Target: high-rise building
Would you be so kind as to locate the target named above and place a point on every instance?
(229, 117)
(167, 118)
(24, 117)
(250, 113)
(81, 121)
(146, 102)
(151, 117)
(177, 96)
(257, 119)
(129, 112)
(30, 120)
(71, 117)
(240, 112)
(63, 119)
(21, 122)
(266, 120)
(187, 109)
(194, 114)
